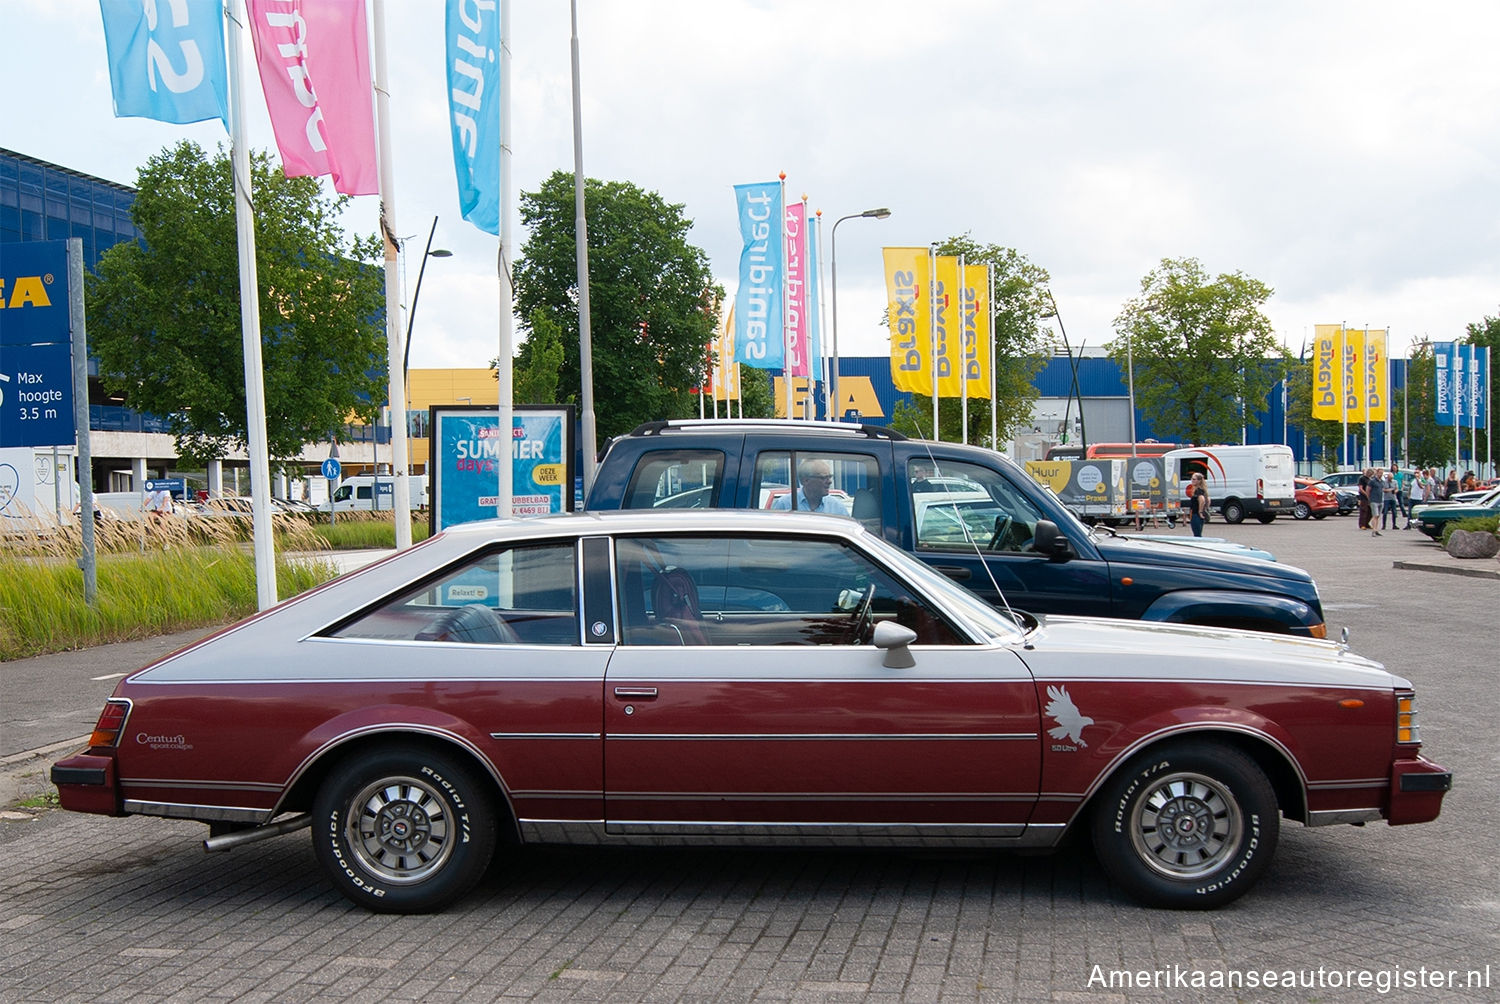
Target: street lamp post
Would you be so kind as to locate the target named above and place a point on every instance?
(1074, 390)
(833, 257)
(411, 315)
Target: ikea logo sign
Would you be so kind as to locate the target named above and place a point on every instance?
(25, 291)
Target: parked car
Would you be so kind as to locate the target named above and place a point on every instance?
(1315, 500)
(1242, 481)
(741, 678)
(1000, 533)
(1432, 519)
(1348, 496)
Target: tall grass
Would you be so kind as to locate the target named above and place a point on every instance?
(170, 575)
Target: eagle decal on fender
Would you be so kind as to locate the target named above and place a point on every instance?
(1070, 721)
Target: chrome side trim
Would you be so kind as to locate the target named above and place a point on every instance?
(594, 832)
(823, 736)
(1359, 782)
(897, 797)
(546, 735)
(266, 787)
(1327, 817)
(203, 813)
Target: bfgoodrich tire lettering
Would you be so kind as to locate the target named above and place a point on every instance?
(1187, 826)
(404, 830)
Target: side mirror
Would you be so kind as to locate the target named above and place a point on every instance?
(1049, 540)
(895, 638)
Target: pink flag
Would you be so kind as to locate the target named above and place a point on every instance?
(314, 59)
(797, 362)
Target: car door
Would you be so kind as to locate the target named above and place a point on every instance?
(975, 525)
(766, 717)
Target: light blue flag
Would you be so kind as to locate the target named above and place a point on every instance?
(473, 32)
(166, 60)
(757, 303)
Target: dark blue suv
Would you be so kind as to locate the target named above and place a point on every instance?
(967, 511)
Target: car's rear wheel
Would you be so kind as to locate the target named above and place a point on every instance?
(404, 829)
(1234, 511)
(1301, 511)
(1188, 826)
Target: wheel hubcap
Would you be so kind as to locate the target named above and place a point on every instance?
(1186, 826)
(399, 829)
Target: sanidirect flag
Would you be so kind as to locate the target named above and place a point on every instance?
(1328, 348)
(166, 61)
(974, 311)
(814, 319)
(757, 301)
(473, 33)
(314, 62)
(798, 361)
(906, 271)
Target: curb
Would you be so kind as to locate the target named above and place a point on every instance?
(25, 774)
(1473, 573)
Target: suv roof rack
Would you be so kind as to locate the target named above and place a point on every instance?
(779, 424)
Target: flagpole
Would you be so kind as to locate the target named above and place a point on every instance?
(932, 334)
(989, 271)
(1365, 404)
(1344, 389)
(255, 399)
(504, 365)
(396, 394)
(963, 349)
(786, 350)
(581, 238)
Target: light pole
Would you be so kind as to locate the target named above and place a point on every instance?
(833, 258)
(411, 315)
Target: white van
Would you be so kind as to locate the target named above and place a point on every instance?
(364, 492)
(1242, 480)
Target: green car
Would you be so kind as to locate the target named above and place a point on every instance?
(1431, 519)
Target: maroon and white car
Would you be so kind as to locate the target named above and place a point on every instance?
(739, 677)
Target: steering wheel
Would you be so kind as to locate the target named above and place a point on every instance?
(863, 616)
(1002, 527)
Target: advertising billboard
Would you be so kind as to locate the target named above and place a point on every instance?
(465, 444)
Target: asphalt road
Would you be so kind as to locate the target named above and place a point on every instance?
(133, 908)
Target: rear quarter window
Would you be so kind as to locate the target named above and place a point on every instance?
(676, 479)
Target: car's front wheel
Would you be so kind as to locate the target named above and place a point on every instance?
(404, 829)
(1301, 511)
(1187, 826)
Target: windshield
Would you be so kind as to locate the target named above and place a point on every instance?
(990, 623)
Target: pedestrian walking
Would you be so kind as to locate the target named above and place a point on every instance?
(1375, 499)
(1364, 498)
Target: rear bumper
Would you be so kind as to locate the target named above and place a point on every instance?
(86, 783)
(1417, 790)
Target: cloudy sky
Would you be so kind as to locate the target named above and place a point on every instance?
(1345, 153)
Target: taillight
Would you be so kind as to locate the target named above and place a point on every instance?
(1407, 730)
(1260, 488)
(111, 723)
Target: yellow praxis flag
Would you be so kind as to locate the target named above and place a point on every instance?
(1375, 376)
(975, 302)
(1351, 375)
(947, 325)
(1328, 347)
(906, 277)
(724, 378)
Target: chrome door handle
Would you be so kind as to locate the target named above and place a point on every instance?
(636, 693)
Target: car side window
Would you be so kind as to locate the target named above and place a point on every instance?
(684, 590)
(961, 506)
(793, 480)
(676, 479)
(518, 595)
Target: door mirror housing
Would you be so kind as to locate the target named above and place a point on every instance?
(895, 639)
(1049, 540)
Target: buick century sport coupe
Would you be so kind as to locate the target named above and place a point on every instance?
(705, 676)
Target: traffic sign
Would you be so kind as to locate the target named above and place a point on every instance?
(36, 396)
(331, 468)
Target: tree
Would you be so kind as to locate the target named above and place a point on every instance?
(164, 315)
(649, 291)
(1198, 348)
(535, 377)
(1415, 407)
(1021, 349)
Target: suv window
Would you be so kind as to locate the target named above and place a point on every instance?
(958, 505)
(854, 484)
(676, 479)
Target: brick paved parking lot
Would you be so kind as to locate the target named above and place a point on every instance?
(116, 909)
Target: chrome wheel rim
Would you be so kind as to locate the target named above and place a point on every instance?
(400, 829)
(1186, 826)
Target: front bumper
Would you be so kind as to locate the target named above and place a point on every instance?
(1417, 790)
(86, 783)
